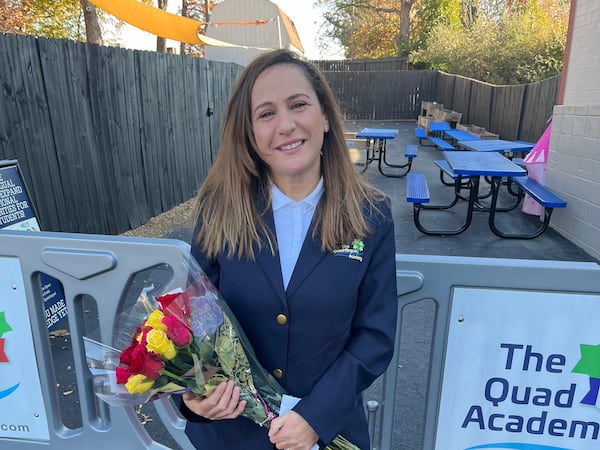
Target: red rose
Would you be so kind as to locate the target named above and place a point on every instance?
(123, 374)
(177, 305)
(126, 355)
(142, 336)
(177, 331)
(145, 362)
(166, 300)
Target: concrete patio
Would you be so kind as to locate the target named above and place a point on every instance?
(478, 240)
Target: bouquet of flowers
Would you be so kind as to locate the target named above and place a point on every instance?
(184, 340)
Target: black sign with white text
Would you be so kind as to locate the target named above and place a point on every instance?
(16, 210)
(17, 213)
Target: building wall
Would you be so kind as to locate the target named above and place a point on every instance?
(257, 37)
(573, 169)
(583, 78)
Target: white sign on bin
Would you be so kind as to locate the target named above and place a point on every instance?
(22, 412)
(521, 371)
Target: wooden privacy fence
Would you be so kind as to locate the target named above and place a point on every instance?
(362, 65)
(384, 95)
(515, 112)
(108, 138)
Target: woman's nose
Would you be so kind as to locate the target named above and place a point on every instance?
(286, 123)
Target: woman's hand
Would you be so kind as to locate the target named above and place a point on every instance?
(291, 431)
(222, 403)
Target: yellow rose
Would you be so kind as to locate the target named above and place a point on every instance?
(138, 384)
(158, 342)
(155, 321)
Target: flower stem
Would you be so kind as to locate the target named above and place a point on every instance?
(171, 375)
(270, 415)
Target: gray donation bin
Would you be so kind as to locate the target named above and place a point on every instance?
(513, 360)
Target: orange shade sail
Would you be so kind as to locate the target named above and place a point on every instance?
(160, 23)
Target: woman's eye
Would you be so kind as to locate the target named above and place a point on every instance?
(298, 105)
(265, 114)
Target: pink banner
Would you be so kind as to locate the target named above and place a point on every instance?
(536, 168)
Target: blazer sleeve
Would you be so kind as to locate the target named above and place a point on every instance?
(209, 266)
(371, 345)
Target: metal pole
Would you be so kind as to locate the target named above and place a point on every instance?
(279, 31)
(372, 408)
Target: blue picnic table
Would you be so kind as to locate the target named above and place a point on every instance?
(474, 165)
(437, 128)
(460, 135)
(496, 145)
(376, 150)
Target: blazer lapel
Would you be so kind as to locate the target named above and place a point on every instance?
(270, 262)
(310, 256)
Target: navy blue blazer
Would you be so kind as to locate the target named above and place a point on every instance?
(335, 334)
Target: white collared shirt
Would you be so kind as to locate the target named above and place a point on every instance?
(292, 220)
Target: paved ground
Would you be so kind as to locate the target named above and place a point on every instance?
(478, 240)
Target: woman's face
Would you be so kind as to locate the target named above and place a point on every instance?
(288, 126)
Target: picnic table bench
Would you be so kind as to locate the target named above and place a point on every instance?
(437, 130)
(474, 166)
(539, 193)
(376, 150)
(441, 143)
(416, 188)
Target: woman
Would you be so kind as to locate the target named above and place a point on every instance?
(302, 249)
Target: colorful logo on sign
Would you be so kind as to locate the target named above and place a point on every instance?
(5, 328)
(544, 402)
(589, 364)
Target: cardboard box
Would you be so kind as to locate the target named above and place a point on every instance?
(427, 108)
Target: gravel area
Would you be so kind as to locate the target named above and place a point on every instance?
(165, 225)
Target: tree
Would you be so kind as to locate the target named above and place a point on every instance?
(427, 14)
(513, 43)
(92, 27)
(199, 10)
(12, 18)
(57, 19)
(368, 28)
(161, 42)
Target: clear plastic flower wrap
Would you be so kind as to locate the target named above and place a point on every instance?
(186, 339)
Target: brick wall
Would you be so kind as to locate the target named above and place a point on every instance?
(583, 78)
(573, 169)
(573, 172)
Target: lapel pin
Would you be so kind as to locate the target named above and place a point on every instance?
(352, 251)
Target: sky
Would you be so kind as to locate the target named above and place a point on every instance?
(306, 19)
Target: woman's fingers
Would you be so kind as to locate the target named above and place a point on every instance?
(223, 403)
(227, 404)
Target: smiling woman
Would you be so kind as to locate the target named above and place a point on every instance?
(292, 236)
(289, 126)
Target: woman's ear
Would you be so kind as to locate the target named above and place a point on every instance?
(325, 123)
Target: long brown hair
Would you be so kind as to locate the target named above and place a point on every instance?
(233, 199)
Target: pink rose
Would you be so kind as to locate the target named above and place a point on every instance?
(177, 331)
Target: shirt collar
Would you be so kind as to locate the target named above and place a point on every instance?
(280, 200)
